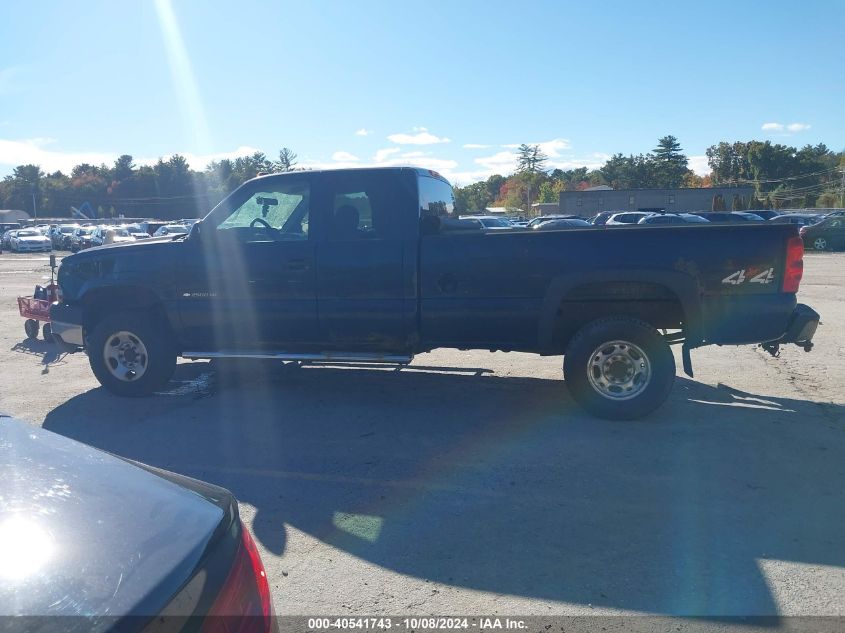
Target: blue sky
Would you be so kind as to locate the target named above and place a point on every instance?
(447, 85)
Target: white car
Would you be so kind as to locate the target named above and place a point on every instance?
(493, 222)
(626, 218)
(110, 235)
(30, 240)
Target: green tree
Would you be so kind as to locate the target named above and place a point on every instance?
(287, 160)
(530, 158)
(669, 163)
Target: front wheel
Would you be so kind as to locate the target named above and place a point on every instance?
(820, 244)
(130, 355)
(619, 368)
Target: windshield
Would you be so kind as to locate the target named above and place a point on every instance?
(28, 233)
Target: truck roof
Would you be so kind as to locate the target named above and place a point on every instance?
(420, 171)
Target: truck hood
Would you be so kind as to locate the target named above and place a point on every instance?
(83, 532)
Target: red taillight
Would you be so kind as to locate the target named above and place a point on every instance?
(244, 604)
(794, 269)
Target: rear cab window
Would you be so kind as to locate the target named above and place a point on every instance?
(437, 205)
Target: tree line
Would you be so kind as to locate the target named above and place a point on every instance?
(782, 176)
(169, 189)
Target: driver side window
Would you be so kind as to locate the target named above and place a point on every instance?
(277, 211)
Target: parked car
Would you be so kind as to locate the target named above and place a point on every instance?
(626, 218)
(94, 542)
(60, 235)
(547, 218)
(672, 218)
(489, 221)
(136, 231)
(661, 218)
(766, 214)
(729, 217)
(600, 219)
(827, 235)
(80, 239)
(371, 277)
(171, 229)
(110, 235)
(9, 226)
(29, 241)
(562, 223)
(6, 239)
(800, 219)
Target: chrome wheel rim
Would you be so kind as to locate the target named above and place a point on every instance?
(619, 370)
(820, 243)
(125, 356)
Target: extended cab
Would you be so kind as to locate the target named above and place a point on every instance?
(373, 265)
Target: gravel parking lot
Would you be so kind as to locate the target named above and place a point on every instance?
(470, 483)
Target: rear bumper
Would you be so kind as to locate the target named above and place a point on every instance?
(802, 327)
(66, 324)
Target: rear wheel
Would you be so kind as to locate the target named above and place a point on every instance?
(820, 244)
(131, 355)
(619, 368)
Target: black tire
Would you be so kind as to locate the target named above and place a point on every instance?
(158, 361)
(821, 244)
(30, 326)
(47, 332)
(620, 341)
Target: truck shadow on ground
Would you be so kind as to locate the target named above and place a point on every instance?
(503, 484)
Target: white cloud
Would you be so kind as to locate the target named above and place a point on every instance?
(422, 137)
(791, 128)
(345, 157)
(363, 132)
(499, 163)
(382, 154)
(475, 146)
(797, 127)
(553, 148)
(699, 165)
(37, 152)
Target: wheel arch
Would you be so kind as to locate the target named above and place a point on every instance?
(105, 300)
(573, 300)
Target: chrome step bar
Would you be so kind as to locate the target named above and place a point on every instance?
(320, 357)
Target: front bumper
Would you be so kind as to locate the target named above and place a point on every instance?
(802, 327)
(66, 324)
(33, 248)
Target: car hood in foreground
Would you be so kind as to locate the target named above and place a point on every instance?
(86, 533)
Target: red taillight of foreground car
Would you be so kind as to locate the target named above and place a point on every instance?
(244, 604)
(794, 269)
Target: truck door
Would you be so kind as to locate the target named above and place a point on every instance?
(366, 292)
(249, 281)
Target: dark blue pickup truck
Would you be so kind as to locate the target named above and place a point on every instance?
(373, 265)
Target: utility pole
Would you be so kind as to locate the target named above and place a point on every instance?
(842, 190)
(34, 208)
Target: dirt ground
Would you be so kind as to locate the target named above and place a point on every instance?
(470, 483)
